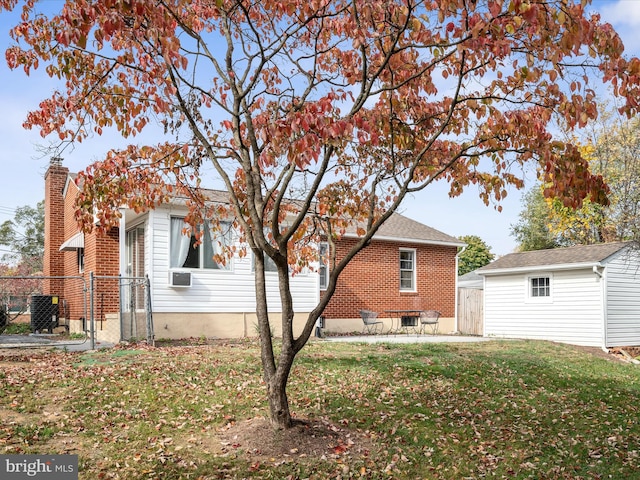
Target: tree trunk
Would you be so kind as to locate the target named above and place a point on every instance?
(278, 401)
(276, 375)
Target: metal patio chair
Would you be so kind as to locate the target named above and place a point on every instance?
(371, 322)
(429, 318)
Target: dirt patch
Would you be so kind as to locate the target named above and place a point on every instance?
(258, 440)
(626, 353)
(10, 417)
(597, 352)
(614, 354)
(22, 355)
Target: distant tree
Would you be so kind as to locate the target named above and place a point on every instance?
(532, 231)
(612, 148)
(24, 237)
(476, 255)
(17, 285)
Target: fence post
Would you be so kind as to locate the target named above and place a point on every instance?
(92, 329)
(121, 306)
(147, 294)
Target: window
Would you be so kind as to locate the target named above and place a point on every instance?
(80, 256)
(540, 286)
(269, 264)
(408, 270)
(185, 252)
(323, 269)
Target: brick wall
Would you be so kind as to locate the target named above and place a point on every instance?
(102, 258)
(372, 280)
(101, 252)
(54, 181)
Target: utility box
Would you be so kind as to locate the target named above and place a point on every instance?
(44, 312)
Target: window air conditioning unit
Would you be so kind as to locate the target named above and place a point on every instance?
(180, 279)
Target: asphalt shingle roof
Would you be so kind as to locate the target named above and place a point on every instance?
(399, 227)
(580, 254)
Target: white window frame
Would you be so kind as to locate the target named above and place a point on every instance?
(413, 252)
(529, 294)
(323, 265)
(227, 267)
(269, 265)
(80, 258)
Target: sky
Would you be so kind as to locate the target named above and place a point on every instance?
(24, 163)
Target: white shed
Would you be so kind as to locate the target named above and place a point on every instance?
(583, 295)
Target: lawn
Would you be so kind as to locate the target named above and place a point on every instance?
(457, 411)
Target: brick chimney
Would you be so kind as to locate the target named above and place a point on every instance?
(55, 180)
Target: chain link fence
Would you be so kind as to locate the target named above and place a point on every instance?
(121, 308)
(73, 310)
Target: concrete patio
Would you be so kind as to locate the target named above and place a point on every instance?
(407, 338)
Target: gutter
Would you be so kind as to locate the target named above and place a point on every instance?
(540, 268)
(409, 240)
(602, 278)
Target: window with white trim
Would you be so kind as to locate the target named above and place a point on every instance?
(407, 270)
(323, 269)
(80, 257)
(539, 288)
(269, 264)
(186, 252)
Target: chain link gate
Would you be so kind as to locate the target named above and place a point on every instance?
(120, 308)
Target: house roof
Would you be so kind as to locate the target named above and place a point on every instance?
(396, 228)
(554, 259)
(400, 228)
(471, 280)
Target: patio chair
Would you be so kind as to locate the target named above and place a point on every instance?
(429, 318)
(371, 322)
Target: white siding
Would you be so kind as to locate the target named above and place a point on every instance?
(623, 299)
(573, 314)
(216, 291)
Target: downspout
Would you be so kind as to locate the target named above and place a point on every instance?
(455, 311)
(603, 302)
(484, 292)
(122, 245)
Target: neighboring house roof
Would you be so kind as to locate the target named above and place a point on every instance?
(579, 256)
(471, 280)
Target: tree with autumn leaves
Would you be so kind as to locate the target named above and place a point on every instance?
(318, 116)
(611, 145)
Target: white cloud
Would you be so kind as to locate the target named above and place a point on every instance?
(620, 12)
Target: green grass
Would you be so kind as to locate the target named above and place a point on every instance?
(457, 411)
(17, 329)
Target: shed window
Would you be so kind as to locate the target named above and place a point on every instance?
(540, 286)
